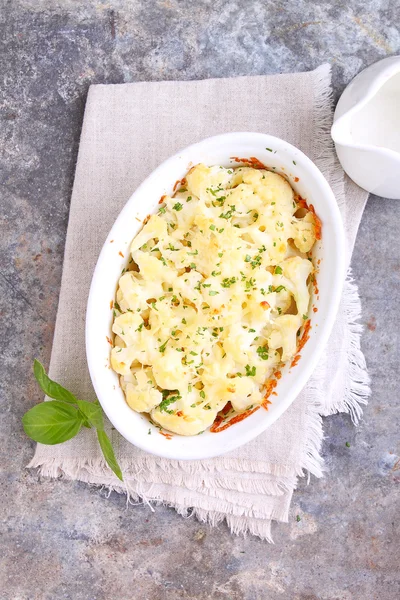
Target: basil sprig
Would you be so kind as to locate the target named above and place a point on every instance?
(60, 419)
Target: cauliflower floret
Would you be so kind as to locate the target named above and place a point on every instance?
(245, 393)
(284, 335)
(208, 182)
(237, 343)
(156, 227)
(272, 187)
(141, 395)
(304, 232)
(186, 413)
(128, 326)
(122, 359)
(152, 269)
(297, 270)
(133, 292)
(191, 422)
(168, 370)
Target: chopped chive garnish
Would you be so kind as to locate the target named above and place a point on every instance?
(250, 371)
(163, 346)
(262, 353)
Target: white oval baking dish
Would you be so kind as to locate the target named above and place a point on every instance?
(309, 182)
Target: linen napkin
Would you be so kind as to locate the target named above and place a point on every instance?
(128, 130)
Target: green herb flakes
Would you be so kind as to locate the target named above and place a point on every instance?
(163, 346)
(262, 352)
(228, 281)
(250, 371)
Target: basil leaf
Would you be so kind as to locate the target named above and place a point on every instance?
(108, 453)
(59, 420)
(50, 387)
(92, 413)
(52, 422)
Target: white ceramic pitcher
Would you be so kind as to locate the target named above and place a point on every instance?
(366, 128)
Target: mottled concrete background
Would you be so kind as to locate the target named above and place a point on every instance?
(64, 540)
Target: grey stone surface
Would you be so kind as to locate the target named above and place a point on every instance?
(65, 540)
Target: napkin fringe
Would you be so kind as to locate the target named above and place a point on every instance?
(323, 151)
(313, 463)
(257, 527)
(212, 466)
(235, 483)
(78, 468)
(86, 470)
(186, 504)
(237, 525)
(357, 379)
(358, 390)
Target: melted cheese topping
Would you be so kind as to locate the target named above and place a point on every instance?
(214, 296)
